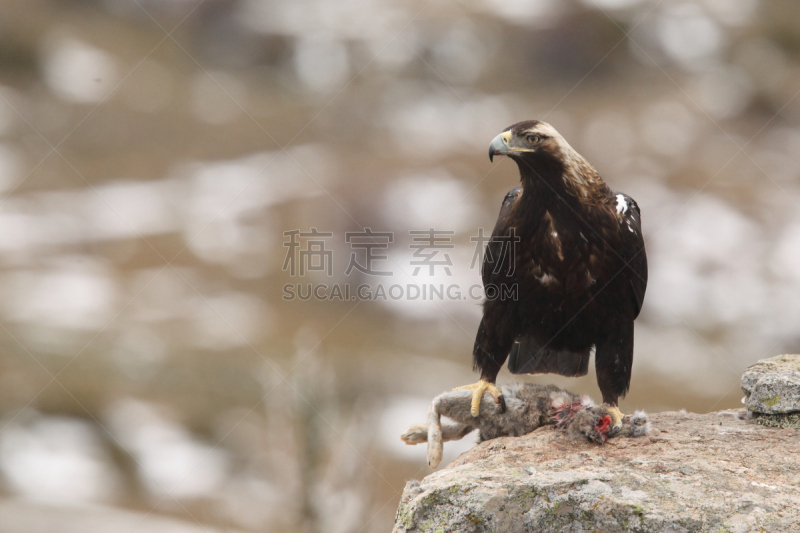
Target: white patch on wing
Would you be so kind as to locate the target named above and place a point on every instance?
(622, 205)
(547, 279)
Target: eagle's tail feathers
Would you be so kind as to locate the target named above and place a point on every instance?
(529, 356)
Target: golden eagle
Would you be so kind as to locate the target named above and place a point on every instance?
(573, 251)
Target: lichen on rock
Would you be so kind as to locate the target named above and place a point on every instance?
(788, 420)
(772, 386)
(713, 472)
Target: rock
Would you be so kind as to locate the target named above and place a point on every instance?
(713, 472)
(772, 386)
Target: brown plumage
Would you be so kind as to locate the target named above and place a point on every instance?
(579, 268)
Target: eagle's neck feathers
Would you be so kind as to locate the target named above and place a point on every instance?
(580, 178)
(563, 187)
(560, 171)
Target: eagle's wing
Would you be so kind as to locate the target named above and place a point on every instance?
(632, 251)
(614, 352)
(498, 254)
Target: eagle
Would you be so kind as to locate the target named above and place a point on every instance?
(568, 254)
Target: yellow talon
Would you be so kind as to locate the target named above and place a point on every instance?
(477, 395)
(617, 415)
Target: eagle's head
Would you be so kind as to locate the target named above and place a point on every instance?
(543, 154)
(530, 140)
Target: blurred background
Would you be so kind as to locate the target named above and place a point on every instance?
(153, 376)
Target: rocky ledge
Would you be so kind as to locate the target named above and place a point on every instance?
(717, 472)
(713, 472)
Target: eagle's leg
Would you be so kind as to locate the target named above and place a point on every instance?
(492, 345)
(613, 361)
(477, 394)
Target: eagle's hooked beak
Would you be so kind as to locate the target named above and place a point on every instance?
(499, 145)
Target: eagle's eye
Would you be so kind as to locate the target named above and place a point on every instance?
(533, 139)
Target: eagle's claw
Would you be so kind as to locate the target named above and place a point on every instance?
(617, 417)
(477, 395)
